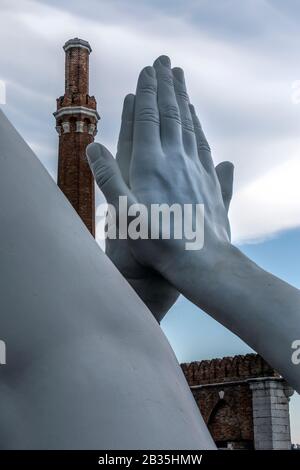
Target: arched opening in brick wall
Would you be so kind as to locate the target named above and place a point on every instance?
(225, 428)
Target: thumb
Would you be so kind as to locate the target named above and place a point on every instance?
(106, 173)
(225, 176)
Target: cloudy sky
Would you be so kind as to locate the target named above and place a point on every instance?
(242, 64)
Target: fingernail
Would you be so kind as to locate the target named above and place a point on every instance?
(128, 107)
(178, 74)
(164, 60)
(228, 166)
(129, 98)
(150, 71)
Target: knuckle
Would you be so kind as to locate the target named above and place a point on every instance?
(170, 111)
(103, 174)
(197, 125)
(147, 114)
(187, 125)
(167, 79)
(182, 94)
(149, 89)
(204, 146)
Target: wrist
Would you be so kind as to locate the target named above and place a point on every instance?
(196, 272)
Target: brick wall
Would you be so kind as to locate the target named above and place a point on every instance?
(229, 391)
(227, 369)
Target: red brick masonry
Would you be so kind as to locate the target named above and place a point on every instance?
(76, 124)
(224, 396)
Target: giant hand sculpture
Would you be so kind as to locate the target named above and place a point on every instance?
(155, 291)
(171, 163)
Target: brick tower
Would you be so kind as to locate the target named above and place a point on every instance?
(76, 124)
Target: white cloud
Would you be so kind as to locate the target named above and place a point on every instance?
(268, 204)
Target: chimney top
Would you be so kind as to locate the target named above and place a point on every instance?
(76, 42)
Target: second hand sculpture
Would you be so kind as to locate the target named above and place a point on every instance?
(163, 156)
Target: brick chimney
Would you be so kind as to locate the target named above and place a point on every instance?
(76, 124)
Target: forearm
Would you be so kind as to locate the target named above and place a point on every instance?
(260, 308)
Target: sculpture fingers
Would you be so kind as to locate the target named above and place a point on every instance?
(187, 125)
(203, 147)
(125, 143)
(170, 121)
(225, 172)
(146, 115)
(107, 173)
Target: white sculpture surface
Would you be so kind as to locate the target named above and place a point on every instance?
(88, 366)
